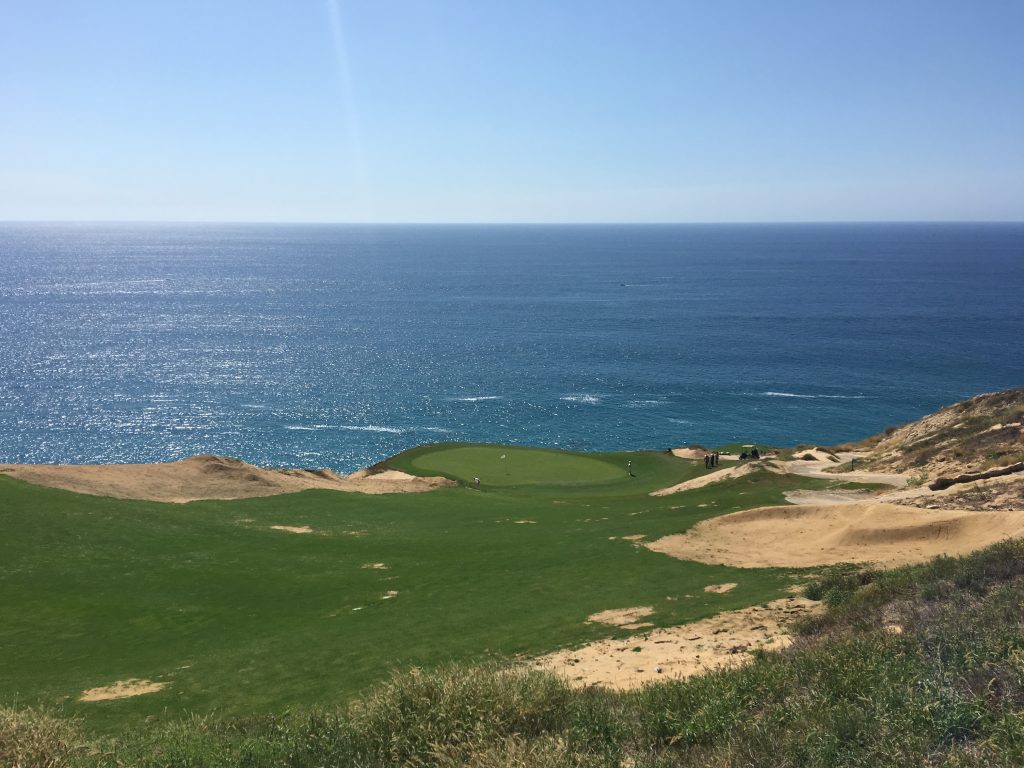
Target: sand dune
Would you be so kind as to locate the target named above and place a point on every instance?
(809, 535)
(209, 477)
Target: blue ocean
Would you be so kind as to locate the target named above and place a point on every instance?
(339, 345)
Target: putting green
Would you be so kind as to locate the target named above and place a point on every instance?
(498, 465)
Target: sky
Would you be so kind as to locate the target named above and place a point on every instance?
(511, 111)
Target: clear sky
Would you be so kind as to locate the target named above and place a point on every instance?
(512, 110)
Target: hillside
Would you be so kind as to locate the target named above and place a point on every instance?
(968, 455)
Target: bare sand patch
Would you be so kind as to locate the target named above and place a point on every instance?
(815, 454)
(823, 498)
(694, 454)
(717, 476)
(293, 528)
(621, 617)
(721, 588)
(390, 594)
(525, 522)
(725, 640)
(122, 689)
(808, 535)
(825, 469)
(210, 477)
(376, 566)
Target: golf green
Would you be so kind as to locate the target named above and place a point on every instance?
(499, 465)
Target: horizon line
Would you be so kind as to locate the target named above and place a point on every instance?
(311, 222)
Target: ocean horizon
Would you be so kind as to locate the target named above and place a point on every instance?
(338, 345)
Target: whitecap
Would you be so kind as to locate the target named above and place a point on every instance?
(812, 397)
(588, 399)
(349, 427)
(477, 399)
(371, 428)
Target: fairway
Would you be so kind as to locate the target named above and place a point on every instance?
(498, 465)
(253, 605)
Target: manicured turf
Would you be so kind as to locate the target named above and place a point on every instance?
(240, 618)
(498, 465)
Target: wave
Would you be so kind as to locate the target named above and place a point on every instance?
(811, 397)
(644, 403)
(477, 399)
(349, 427)
(588, 399)
(680, 421)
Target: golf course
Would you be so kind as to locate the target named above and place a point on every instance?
(255, 605)
(474, 605)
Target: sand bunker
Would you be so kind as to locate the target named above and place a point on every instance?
(721, 588)
(822, 498)
(122, 689)
(815, 454)
(725, 640)
(717, 476)
(622, 617)
(694, 454)
(293, 528)
(809, 535)
(210, 477)
(376, 566)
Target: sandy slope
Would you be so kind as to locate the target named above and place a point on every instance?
(819, 469)
(808, 535)
(209, 477)
(676, 652)
(738, 470)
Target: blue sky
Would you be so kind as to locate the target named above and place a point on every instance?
(494, 111)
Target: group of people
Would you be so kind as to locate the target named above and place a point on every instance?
(711, 460)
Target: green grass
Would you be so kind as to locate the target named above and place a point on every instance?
(499, 465)
(241, 619)
(948, 690)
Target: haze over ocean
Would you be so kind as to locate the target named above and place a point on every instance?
(339, 345)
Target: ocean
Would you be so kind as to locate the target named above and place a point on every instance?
(339, 345)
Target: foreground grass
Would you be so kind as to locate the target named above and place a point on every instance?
(946, 689)
(242, 620)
